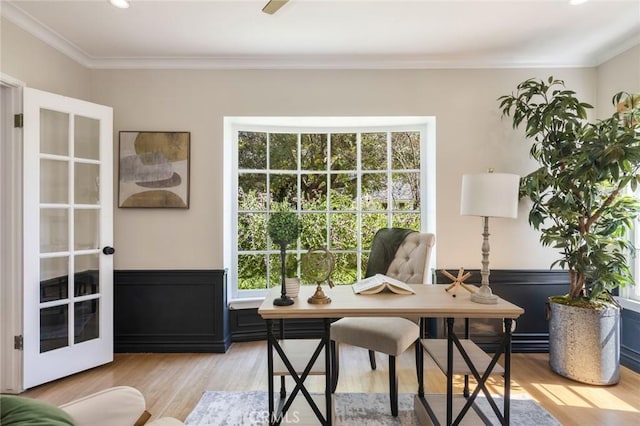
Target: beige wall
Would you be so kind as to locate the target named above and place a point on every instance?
(622, 73)
(470, 138)
(35, 63)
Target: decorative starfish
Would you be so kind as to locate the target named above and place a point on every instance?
(458, 281)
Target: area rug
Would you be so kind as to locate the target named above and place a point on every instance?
(351, 409)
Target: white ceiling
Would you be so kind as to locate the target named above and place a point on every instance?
(333, 33)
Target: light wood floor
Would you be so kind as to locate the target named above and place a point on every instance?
(173, 383)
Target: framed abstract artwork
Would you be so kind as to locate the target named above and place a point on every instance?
(154, 169)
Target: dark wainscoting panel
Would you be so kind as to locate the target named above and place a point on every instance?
(528, 289)
(630, 346)
(171, 311)
(247, 325)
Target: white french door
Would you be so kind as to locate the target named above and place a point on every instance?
(68, 234)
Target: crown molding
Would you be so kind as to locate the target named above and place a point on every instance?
(614, 49)
(39, 30)
(303, 62)
(327, 62)
(7, 80)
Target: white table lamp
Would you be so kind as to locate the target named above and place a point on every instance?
(488, 195)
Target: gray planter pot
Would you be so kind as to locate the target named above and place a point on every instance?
(584, 344)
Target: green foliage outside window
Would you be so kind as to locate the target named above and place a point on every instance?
(277, 177)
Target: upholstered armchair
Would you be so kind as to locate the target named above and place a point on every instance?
(122, 405)
(391, 336)
(117, 406)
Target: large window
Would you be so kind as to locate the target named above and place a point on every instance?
(345, 183)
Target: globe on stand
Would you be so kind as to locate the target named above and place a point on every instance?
(317, 266)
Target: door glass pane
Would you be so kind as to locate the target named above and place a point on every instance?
(87, 320)
(87, 183)
(54, 132)
(86, 278)
(86, 229)
(87, 138)
(54, 230)
(54, 278)
(54, 328)
(54, 181)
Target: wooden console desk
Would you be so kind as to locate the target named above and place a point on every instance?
(430, 301)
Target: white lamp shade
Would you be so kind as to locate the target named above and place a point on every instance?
(490, 195)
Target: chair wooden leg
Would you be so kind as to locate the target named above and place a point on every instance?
(393, 386)
(335, 355)
(372, 359)
(418, 348)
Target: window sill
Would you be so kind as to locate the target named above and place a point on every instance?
(252, 303)
(630, 304)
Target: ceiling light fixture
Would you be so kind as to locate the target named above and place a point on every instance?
(577, 2)
(273, 6)
(121, 4)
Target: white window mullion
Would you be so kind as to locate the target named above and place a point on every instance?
(268, 212)
(389, 182)
(71, 220)
(358, 205)
(328, 200)
(299, 188)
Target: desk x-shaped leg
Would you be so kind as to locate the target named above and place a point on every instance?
(276, 416)
(504, 347)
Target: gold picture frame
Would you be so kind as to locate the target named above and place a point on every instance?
(154, 169)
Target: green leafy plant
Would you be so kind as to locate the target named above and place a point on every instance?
(580, 193)
(283, 227)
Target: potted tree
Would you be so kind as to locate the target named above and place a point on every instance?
(583, 206)
(283, 228)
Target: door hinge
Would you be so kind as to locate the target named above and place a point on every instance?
(18, 120)
(18, 342)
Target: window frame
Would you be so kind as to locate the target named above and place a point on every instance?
(629, 297)
(632, 293)
(327, 125)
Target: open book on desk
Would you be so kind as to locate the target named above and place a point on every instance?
(380, 282)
